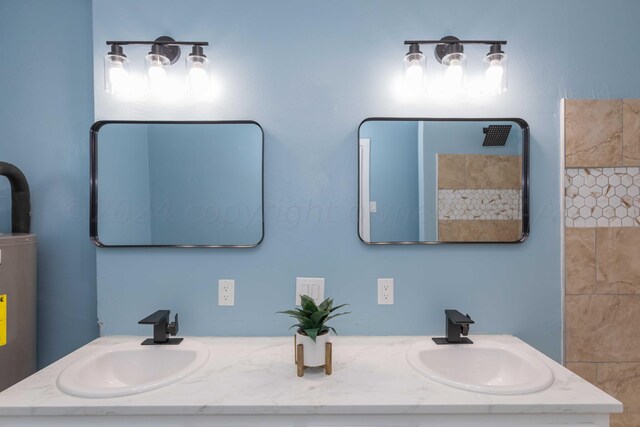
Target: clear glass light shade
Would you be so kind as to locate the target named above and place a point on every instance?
(116, 75)
(414, 72)
(495, 73)
(157, 72)
(454, 77)
(198, 76)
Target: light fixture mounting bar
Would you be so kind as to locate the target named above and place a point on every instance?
(160, 42)
(488, 42)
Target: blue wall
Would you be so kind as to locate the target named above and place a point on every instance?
(214, 199)
(310, 110)
(393, 181)
(310, 107)
(123, 179)
(46, 110)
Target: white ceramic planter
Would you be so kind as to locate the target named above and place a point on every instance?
(314, 352)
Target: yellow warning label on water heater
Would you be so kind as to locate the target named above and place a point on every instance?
(3, 320)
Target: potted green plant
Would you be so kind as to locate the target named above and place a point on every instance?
(313, 332)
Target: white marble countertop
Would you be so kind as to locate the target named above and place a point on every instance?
(248, 376)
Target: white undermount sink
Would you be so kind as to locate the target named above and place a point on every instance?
(130, 368)
(486, 366)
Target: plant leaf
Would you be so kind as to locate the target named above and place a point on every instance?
(295, 314)
(307, 324)
(319, 317)
(312, 318)
(308, 303)
(337, 307)
(336, 315)
(312, 333)
(289, 312)
(326, 304)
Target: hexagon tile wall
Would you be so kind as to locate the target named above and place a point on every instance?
(602, 197)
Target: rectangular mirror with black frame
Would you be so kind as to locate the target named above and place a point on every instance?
(176, 184)
(430, 181)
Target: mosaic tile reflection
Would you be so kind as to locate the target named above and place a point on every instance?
(467, 204)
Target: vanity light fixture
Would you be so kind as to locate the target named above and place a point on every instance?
(165, 51)
(449, 51)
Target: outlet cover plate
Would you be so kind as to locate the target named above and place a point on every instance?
(226, 292)
(312, 286)
(385, 291)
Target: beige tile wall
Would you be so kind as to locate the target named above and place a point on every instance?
(478, 171)
(479, 230)
(602, 265)
(593, 133)
(631, 132)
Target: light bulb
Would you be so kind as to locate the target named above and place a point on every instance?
(415, 75)
(454, 62)
(493, 76)
(414, 66)
(157, 77)
(495, 72)
(454, 72)
(118, 79)
(454, 76)
(198, 78)
(157, 73)
(116, 75)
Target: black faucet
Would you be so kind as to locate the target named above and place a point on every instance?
(161, 328)
(457, 324)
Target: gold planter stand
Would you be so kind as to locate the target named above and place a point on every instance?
(299, 358)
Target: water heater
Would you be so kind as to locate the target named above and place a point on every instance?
(17, 286)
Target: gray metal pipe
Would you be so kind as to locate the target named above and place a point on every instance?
(20, 198)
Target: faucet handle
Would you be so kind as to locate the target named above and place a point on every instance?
(464, 329)
(172, 328)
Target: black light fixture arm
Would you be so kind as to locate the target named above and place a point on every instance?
(164, 45)
(160, 42)
(450, 44)
(488, 42)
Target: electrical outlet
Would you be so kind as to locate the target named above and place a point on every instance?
(226, 292)
(385, 291)
(312, 286)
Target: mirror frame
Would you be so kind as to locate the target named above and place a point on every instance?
(524, 126)
(93, 180)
